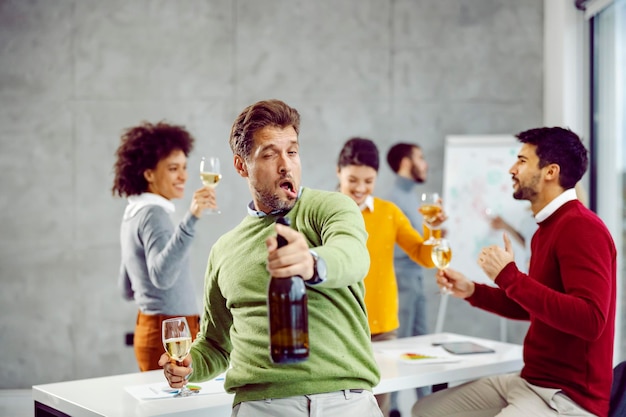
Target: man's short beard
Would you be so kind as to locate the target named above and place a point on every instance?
(415, 175)
(274, 202)
(528, 192)
(418, 180)
(524, 193)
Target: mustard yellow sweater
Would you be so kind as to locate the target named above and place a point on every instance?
(386, 226)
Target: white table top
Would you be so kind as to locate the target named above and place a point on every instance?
(107, 396)
(397, 375)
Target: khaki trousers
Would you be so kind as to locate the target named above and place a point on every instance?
(147, 341)
(346, 403)
(503, 396)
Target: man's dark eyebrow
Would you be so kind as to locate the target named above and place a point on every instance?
(273, 146)
(265, 147)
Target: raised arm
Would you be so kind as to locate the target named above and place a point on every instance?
(166, 247)
(337, 234)
(411, 241)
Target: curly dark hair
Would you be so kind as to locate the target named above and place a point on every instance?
(257, 116)
(359, 151)
(141, 148)
(563, 147)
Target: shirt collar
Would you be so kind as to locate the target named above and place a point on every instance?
(256, 213)
(368, 203)
(554, 205)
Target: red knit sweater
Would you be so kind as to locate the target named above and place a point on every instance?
(569, 298)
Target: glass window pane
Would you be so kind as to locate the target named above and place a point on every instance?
(608, 136)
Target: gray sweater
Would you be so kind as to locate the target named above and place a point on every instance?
(403, 194)
(155, 265)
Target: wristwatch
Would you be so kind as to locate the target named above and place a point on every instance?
(319, 270)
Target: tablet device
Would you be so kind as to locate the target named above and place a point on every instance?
(465, 348)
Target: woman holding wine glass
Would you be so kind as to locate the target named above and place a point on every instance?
(151, 170)
(386, 225)
(210, 176)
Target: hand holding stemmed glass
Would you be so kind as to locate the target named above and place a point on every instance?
(441, 255)
(177, 343)
(210, 176)
(432, 211)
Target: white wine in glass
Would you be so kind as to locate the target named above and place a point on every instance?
(210, 176)
(430, 208)
(441, 254)
(177, 343)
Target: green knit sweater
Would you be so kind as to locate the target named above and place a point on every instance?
(234, 327)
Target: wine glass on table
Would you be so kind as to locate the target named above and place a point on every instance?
(210, 176)
(441, 254)
(177, 342)
(430, 208)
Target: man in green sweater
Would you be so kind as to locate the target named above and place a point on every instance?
(326, 247)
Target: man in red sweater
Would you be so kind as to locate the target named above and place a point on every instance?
(568, 296)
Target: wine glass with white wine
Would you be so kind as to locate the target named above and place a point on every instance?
(430, 208)
(210, 176)
(177, 343)
(441, 254)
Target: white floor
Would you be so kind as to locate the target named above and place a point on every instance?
(19, 403)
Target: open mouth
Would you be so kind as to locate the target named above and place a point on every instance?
(289, 187)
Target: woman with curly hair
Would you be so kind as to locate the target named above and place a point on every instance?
(151, 170)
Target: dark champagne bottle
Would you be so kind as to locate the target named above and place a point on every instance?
(288, 315)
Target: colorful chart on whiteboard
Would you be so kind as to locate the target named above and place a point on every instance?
(477, 185)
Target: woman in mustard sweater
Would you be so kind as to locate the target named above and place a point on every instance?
(357, 169)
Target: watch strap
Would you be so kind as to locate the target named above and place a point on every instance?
(316, 278)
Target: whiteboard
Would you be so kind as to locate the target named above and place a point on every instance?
(476, 178)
